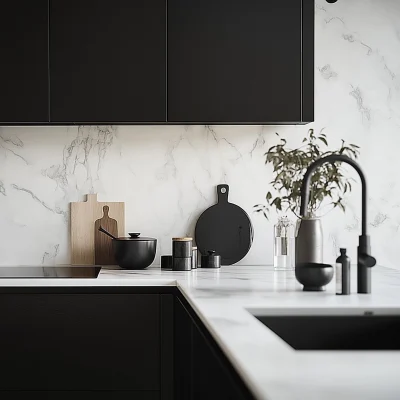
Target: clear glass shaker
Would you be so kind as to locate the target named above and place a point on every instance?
(284, 244)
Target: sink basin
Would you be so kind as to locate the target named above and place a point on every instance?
(367, 331)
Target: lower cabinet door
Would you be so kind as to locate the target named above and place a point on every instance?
(211, 379)
(80, 342)
(183, 326)
(201, 372)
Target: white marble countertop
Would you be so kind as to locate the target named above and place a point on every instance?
(270, 367)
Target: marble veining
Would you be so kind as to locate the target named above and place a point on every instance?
(167, 174)
(223, 300)
(327, 73)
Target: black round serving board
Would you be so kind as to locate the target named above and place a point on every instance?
(225, 228)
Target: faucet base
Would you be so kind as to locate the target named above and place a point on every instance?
(363, 279)
(364, 264)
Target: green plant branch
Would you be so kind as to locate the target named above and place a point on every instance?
(289, 166)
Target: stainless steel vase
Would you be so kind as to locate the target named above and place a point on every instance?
(309, 241)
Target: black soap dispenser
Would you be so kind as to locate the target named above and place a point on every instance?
(343, 273)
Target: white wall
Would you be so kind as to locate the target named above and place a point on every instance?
(167, 175)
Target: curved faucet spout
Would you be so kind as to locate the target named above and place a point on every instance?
(365, 260)
(305, 188)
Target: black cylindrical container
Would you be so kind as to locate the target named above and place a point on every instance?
(211, 260)
(343, 273)
(182, 264)
(166, 262)
(182, 247)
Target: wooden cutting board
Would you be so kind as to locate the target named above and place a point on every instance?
(83, 219)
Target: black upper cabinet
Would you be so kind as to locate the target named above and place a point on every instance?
(24, 62)
(240, 61)
(107, 61)
(157, 62)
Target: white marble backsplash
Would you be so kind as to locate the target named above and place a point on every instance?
(167, 174)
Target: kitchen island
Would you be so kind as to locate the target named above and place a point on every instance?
(269, 367)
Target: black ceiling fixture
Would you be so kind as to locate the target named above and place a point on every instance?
(331, 1)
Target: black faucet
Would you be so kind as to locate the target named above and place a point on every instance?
(365, 261)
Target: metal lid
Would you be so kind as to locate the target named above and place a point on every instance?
(182, 239)
(211, 254)
(135, 237)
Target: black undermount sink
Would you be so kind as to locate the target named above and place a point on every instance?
(336, 332)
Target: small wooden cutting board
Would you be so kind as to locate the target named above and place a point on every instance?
(83, 218)
(103, 249)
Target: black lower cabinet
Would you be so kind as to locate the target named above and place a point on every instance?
(183, 356)
(109, 343)
(211, 379)
(202, 372)
(78, 342)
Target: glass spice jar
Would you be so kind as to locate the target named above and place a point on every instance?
(284, 244)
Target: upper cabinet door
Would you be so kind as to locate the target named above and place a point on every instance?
(107, 61)
(24, 62)
(238, 61)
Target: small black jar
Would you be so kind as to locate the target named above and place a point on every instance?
(211, 260)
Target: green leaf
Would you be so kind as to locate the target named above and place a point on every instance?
(323, 140)
(268, 196)
(277, 202)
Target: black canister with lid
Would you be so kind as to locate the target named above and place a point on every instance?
(182, 247)
(211, 260)
(182, 253)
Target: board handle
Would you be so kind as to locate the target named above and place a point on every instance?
(91, 198)
(222, 192)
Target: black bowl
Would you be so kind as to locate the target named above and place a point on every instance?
(314, 276)
(134, 254)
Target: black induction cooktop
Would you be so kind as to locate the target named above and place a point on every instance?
(60, 271)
